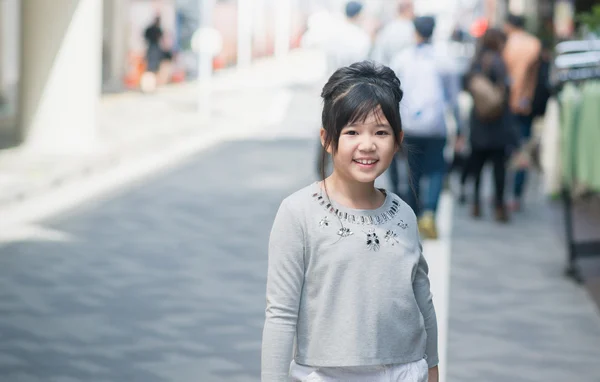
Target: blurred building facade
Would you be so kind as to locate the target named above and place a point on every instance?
(57, 57)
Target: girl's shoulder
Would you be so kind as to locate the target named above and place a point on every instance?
(405, 211)
(299, 201)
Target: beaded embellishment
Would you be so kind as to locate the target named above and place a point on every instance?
(378, 219)
(372, 240)
(391, 236)
(402, 224)
(324, 222)
(345, 232)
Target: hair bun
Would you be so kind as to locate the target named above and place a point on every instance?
(363, 71)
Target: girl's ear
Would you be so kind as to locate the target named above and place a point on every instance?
(323, 137)
(401, 139)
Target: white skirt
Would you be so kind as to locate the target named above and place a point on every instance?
(408, 372)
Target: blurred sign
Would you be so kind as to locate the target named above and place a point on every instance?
(208, 41)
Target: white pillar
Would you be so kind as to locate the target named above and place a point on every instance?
(283, 27)
(9, 43)
(61, 74)
(260, 25)
(205, 60)
(116, 38)
(244, 32)
(3, 30)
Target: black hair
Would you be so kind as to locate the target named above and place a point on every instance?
(353, 9)
(492, 40)
(351, 94)
(515, 20)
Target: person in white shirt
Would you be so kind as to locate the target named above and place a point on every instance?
(348, 42)
(395, 36)
(423, 73)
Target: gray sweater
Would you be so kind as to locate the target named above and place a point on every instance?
(349, 286)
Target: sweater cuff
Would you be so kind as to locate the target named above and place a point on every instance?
(432, 361)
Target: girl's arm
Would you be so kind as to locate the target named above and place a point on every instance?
(425, 302)
(285, 278)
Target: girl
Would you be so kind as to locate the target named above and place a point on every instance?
(491, 140)
(347, 292)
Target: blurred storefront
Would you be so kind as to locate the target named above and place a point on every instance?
(256, 22)
(57, 57)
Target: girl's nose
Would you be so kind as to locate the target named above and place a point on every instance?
(367, 144)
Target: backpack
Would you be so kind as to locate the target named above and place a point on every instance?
(422, 107)
(488, 97)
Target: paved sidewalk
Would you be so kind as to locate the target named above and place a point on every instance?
(131, 124)
(514, 316)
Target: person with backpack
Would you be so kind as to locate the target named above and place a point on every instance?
(423, 117)
(492, 133)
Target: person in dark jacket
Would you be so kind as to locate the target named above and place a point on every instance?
(492, 140)
(154, 54)
(153, 36)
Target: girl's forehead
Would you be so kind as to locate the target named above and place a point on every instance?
(373, 117)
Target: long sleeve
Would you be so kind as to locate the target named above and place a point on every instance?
(425, 301)
(285, 278)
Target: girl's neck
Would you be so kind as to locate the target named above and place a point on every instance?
(355, 195)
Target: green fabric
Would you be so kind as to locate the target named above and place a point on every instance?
(569, 99)
(587, 154)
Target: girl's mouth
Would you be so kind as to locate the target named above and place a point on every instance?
(365, 163)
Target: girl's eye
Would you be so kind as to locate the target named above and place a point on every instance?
(351, 132)
(383, 132)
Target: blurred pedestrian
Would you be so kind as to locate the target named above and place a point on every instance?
(423, 116)
(153, 35)
(349, 42)
(521, 55)
(397, 35)
(492, 133)
(346, 44)
(165, 70)
(335, 311)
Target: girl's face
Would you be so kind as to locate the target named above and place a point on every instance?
(365, 149)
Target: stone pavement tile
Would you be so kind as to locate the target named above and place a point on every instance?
(163, 281)
(8, 360)
(513, 315)
(22, 377)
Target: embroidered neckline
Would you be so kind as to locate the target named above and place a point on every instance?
(365, 218)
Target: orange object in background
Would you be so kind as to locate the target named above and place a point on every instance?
(479, 27)
(178, 76)
(136, 67)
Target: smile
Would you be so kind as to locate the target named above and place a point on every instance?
(365, 162)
